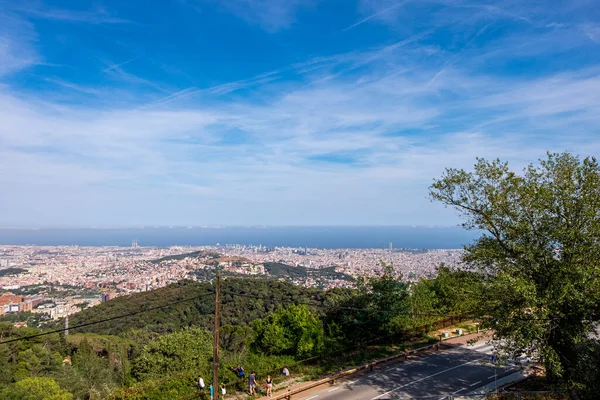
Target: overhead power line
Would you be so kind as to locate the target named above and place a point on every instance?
(106, 319)
(409, 313)
(313, 304)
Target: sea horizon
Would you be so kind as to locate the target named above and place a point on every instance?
(326, 237)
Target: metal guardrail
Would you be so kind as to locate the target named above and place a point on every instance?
(369, 366)
(521, 395)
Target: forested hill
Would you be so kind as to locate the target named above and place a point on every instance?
(196, 254)
(284, 270)
(243, 300)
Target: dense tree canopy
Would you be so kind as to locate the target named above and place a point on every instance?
(293, 330)
(35, 388)
(539, 255)
(159, 353)
(243, 301)
(379, 307)
(186, 350)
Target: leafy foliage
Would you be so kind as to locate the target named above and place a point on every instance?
(187, 350)
(538, 257)
(35, 388)
(293, 330)
(380, 307)
(288, 271)
(457, 290)
(195, 254)
(244, 300)
(159, 354)
(11, 271)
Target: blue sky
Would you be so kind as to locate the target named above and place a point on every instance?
(296, 112)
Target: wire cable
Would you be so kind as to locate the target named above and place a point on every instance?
(410, 313)
(105, 320)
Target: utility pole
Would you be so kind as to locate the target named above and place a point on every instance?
(215, 381)
(67, 325)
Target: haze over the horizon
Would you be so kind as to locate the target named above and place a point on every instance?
(268, 112)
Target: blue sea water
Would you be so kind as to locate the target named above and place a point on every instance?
(313, 237)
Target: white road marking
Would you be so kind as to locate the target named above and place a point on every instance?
(459, 390)
(477, 346)
(335, 388)
(427, 377)
(490, 377)
(476, 383)
(312, 397)
(350, 383)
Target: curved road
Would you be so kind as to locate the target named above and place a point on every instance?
(457, 370)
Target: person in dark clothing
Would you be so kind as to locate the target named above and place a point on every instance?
(240, 371)
(252, 383)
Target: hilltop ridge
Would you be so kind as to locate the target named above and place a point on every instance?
(243, 300)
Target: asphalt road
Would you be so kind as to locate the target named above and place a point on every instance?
(458, 370)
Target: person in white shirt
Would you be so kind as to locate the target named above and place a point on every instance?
(201, 383)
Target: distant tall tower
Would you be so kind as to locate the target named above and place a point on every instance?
(390, 246)
(134, 244)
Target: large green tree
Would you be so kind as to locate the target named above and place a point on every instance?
(187, 350)
(35, 388)
(380, 307)
(293, 330)
(539, 254)
(457, 291)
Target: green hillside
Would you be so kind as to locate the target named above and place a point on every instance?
(243, 300)
(157, 354)
(284, 270)
(11, 271)
(195, 254)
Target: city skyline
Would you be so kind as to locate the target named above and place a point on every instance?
(265, 112)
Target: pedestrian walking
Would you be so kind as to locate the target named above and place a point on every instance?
(212, 392)
(252, 383)
(269, 385)
(223, 391)
(201, 383)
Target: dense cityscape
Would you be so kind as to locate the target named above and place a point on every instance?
(61, 280)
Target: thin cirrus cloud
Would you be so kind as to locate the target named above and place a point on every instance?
(340, 134)
(271, 15)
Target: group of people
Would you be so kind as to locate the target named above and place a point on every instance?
(239, 370)
(252, 380)
(210, 388)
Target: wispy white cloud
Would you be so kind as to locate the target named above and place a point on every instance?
(382, 123)
(592, 31)
(117, 72)
(355, 137)
(376, 14)
(119, 65)
(38, 10)
(13, 57)
(454, 57)
(16, 44)
(271, 15)
(73, 86)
